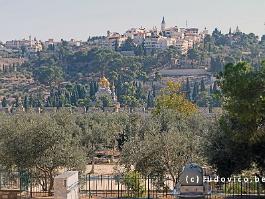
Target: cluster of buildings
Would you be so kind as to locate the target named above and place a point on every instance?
(181, 38)
(33, 45)
(29, 45)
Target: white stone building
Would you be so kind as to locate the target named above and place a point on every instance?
(182, 46)
(137, 35)
(32, 46)
(113, 40)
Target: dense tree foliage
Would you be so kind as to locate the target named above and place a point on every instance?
(164, 144)
(48, 74)
(41, 143)
(173, 98)
(238, 141)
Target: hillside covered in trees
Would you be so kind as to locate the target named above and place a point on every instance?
(67, 76)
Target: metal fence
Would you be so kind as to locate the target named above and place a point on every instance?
(125, 187)
(27, 185)
(128, 187)
(10, 180)
(149, 187)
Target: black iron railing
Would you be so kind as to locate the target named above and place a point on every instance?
(115, 186)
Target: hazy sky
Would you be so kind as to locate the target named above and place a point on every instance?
(80, 19)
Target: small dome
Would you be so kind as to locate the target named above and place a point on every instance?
(104, 82)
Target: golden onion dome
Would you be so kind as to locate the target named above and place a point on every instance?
(104, 82)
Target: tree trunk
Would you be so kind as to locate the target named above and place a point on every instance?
(45, 182)
(51, 183)
(112, 155)
(93, 165)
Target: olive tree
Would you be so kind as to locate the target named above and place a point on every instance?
(41, 143)
(167, 142)
(100, 131)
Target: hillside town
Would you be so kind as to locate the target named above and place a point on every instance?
(156, 38)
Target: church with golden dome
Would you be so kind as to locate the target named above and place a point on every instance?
(105, 90)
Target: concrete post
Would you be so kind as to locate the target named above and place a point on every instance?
(66, 185)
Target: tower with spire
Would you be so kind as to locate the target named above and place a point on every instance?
(237, 29)
(163, 25)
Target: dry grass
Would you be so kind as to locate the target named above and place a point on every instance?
(102, 169)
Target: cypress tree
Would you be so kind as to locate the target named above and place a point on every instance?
(187, 89)
(195, 92)
(26, 102)
(4, 102)
(31, 101)
(214, 87)
(211, 89)
(91, 89)
(150, 100)
(202, 85)
(154, 91)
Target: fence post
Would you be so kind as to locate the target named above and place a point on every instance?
(97, 185)
(148, 190)
(241, 188)
(118, 187)
(138, 186)
(89, 185)
(31, 194)
(225, 188)
(233, 189)
(135, 183)
(111, 192)
(86, 182)
(108, 188)
(258, 190)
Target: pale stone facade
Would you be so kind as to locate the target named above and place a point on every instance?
(66, 185)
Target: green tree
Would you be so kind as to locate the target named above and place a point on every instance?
(193, 54)
(216, 65)
(240, 137)
(202, 85)
(48, 74)
(163, 145)
(195, 91)
(187, 89)
(106, 101)
(99, 131)
(128, 45)
(134, 183)
(172, 98)
(42, 144)
(4, 102)
(150, 100)
(26, 103)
